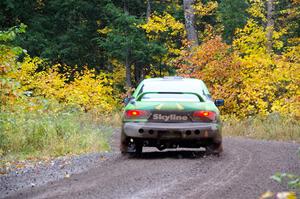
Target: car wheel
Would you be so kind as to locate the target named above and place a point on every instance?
(138, 148)
(123, 144)
(214, 149)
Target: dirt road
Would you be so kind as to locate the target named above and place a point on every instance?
(242, 171)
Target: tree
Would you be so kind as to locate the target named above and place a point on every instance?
(8, 54)
(126, 42)
(270, 24)
(232, 15)
(148, 12)
(190, 22)
(61, 31)
(164, 29)
(286, 18)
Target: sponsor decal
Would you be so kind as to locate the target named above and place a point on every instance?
(169, 117)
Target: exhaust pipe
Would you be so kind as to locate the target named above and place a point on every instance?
(141, 131)
(161, 147)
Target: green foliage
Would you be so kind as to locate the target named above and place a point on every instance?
(66, 32)
(293, 180)
(134, 7)
(165, 30)
(287, 17)
(10, 34)
(232, 15)
(124, 41)
(61, 31)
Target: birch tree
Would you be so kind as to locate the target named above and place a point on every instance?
(189, 17)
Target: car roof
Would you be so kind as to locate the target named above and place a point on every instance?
(171, 78)
(177, 84)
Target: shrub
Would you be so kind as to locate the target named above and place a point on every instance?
(42, 133)
(86, 89)
(272, 127)
(252, 84)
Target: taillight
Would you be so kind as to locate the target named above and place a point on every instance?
(140, 114)
(204, 116)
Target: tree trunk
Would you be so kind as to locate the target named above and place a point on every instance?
(125, 7)
(128, 69)
(270, 24)
(189, 22)
(138, 73)
(127, 56)
(148, 12)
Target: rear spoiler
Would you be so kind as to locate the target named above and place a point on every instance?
(139, 97)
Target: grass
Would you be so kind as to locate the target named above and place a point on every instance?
(272, 127)
(44, 134)
(37, 134)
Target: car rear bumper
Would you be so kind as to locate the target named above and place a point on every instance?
(190, 130)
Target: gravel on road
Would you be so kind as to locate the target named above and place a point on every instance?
(242, 171)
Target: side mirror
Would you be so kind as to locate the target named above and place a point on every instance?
(127, 100)
(219, 102)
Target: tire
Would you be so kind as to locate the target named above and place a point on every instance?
(126, 148)
(214, 149)
(138, 148)
(123, 144)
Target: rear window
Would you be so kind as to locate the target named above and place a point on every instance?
(170, 97)
(172, 86)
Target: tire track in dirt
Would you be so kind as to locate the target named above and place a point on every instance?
(194, 185)
(242, 171)
(241, 164)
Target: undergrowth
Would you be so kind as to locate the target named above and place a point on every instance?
(50, 134)
(272, 127)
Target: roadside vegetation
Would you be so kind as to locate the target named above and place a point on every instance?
(51, 134)
(271, 127)
(63, 75)
(46, 114)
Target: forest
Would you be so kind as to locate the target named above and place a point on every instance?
(66, 65)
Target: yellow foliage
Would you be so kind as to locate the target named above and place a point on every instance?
(257, 9)
(205, 9)
(118, 74)
(250, 80)
(90, 91)
(280, 195)
(162, 23)
(252, 39)
(292, 53)
(271, 82)
(86, 90)
(174, 33)
(8, 86)
(158, 24)
(104, 30)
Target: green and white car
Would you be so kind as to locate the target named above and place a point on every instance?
(171, 112)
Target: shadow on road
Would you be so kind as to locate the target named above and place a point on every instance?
(169, 154)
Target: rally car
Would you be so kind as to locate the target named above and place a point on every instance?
(171, 112)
